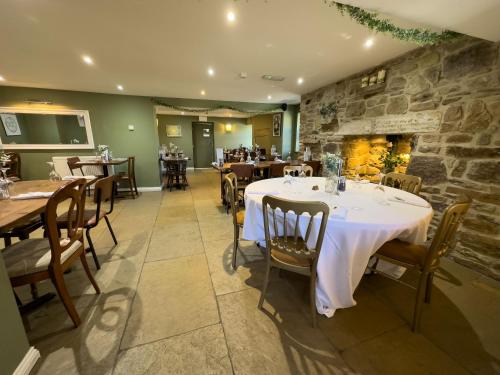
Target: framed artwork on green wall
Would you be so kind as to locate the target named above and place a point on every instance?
(277, 118)
(174, 131)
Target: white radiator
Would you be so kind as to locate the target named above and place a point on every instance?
(61, 166)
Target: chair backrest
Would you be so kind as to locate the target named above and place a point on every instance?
(74, 194)
(171, 166)
(231, 194)
(295, 170)
(14, 165)
(276, 169)
(72, 164)
(445, 233)
(315, 165)
(262, 151)
(401, 181)
(291, 214)
(104, 191)
(243, 171)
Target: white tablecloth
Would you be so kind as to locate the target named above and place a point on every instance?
(358, 225)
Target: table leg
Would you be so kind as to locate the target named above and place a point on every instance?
(105, 170)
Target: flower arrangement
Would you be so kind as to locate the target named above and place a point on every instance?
(391, 161)
(332, 163)
(102, 148)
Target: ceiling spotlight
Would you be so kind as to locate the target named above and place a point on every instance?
(369, 43)
(182, 113)
(87, 60)
(300, 81)
(231, 17)
(203, 92)
(119, 87)
(211, 72)
(269, 97)
(2, 79)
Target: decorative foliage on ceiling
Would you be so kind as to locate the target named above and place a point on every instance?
(272, 109)
(373, 22)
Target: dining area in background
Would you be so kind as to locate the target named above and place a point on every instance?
(173, 167)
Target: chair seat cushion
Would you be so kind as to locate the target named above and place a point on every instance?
(240, 217)
(32, 255)
(89, 218)
(291, 253)
(404, 252)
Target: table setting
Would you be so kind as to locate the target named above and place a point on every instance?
(362, 218)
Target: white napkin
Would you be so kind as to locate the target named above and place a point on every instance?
(414, 201)
(89, 177)
(339, 212)
(33, 195)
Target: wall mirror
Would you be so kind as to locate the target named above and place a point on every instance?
(22, 128)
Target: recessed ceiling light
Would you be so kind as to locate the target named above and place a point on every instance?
(203, 92)
(211, 72)
(87, 60)
(300, 81)
(119, 87)
(231, 17)
(369, 43)
(182, 113)
(2, 79)
(269, 97)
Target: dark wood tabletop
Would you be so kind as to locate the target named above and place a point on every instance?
(116, 161)
(13, 212)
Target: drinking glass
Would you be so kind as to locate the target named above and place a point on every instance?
(53, 175)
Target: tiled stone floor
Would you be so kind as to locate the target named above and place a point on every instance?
(171, 303)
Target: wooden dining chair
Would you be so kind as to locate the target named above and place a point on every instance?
(245, 173)
(289, 251)
(129, 177)
(103, 192)
(315, 165)
(232, 199)
(424, 259)
(295, 170)
(401, 181)
(72, 165)
(33, 260)
(276, 169)
(14, 165)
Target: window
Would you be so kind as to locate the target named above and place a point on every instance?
(297, 134)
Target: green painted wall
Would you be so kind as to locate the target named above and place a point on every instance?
(110, 116)
(13, 342)
(241, 132)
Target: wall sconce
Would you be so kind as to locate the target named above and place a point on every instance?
(229, 128)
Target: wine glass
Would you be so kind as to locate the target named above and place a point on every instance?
(53, 175)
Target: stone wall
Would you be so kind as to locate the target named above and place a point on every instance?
(460, 84)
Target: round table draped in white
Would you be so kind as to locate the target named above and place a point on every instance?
(361, 220)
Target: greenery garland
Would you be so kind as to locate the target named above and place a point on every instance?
(274, 109)
(371, 20)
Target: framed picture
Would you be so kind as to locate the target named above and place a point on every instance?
(174, 131)
(10, 124)
(277, 117)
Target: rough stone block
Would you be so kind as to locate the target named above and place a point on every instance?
(459, 138)
(430, 168)
(356, 109)
(397, 105)
(427, 106)
(485, 171)
(473, 152)
(377, 111)
(453, 113)
(478, 117)
(476, 58)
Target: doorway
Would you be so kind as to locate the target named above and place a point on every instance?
(203, 144)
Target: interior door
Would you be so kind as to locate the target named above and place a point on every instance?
(203, 144)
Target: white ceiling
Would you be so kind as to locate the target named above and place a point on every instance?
(164, 47)
(479, 18)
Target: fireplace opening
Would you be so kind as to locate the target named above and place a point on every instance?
(364, 155)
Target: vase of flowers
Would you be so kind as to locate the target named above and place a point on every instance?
(332, 168)
(103, 151)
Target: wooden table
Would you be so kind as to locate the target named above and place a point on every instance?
(102, 163)
(13, 212)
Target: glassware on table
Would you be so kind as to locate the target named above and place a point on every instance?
(332, 184)
(4, 189)
(342, 183)
(379, 192)
(302, 172)
(53, 175)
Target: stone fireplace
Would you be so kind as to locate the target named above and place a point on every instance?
(362, 154)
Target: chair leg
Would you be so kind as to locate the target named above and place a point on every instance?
(417, 313)
(92, 250)
(111, 230)
(312, 296)
(235, 245)
(135, 187)
(131, 187)
(83, 258)
(62, 291)
(7, 241)
(34, 291)
(264, 287)
(428, 288)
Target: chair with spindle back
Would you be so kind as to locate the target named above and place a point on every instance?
(424, 259)
(295, 170)
(104, 191)
(232, 199)
(33, 260)
(290, 251)
(401, 181)
(276, 169)
(315, 165)
(129, 177)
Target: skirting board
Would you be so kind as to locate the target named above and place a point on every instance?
(28, 362)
